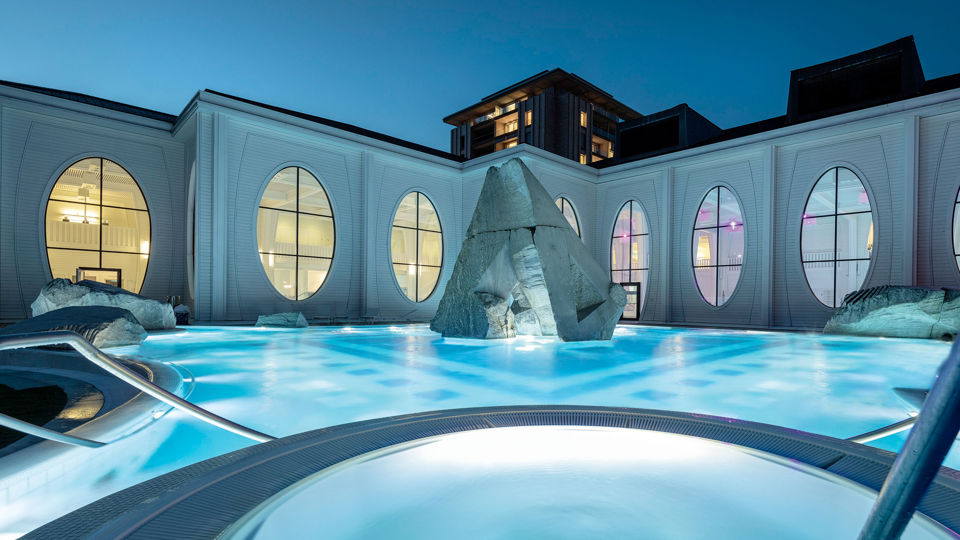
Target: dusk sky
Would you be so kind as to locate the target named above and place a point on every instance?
(400, 70)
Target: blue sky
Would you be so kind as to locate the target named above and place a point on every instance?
(399, 70)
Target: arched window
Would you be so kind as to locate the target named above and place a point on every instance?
(416, 246)
(836, 236)
(98, 225)
(568, 212)
(956, 230)
(718, 246)
(630, 256)
(295, 233)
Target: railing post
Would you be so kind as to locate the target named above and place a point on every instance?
(921, 456)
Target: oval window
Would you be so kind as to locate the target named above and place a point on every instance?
(718, 246)
(956, 230)
(836, 236)
(568, 212)
(98, 225)
(416, 246)
(630, 256)
(295, 233)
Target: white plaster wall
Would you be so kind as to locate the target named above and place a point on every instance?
(39, 140)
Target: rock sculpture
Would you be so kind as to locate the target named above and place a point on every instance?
(283, 320)
(60, 293)
(898, 311)
(102, 326)
(523, 270)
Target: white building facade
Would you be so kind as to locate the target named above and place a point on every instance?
(203, 177)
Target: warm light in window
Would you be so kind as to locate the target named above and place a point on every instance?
(583, 159)
(528, 118)
(703, 249)
(583, 119)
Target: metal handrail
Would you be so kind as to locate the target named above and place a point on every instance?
(44, 433)
(919, 461)
(885, 431)
(95, 355)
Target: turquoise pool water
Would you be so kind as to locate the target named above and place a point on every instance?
(287, 381)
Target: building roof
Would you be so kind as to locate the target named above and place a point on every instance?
(907, 72)
(345, 127)
(537, 83)
(95, 101)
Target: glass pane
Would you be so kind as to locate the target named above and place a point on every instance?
(620, 276)
(639, 223)
(620, 253)
(559, 203)
(428, 215)
(73, 225)
(816, 238)
(406, 215)
(403, 245)
(126, 230)
(823, 197)
(729, 209)
(707, 283)
(431, 248)
(622, 226)
(281, 192)
(854, 236)
(851, 196)
(310, 275)
(730, 245)
(707, 215)
(119, 188)
(850, 276)
(79, 183)
(277, 232)
(312, 197)
(428, 281)
(820, 278)
(956, 229)
(705, 247)
(64, 262)
(281, 271)
(729, 276)
(132, 268)
(316, 236)
(406, 278)
(100, 275)
(639, 254)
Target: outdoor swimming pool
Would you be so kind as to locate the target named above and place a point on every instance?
(286, 381)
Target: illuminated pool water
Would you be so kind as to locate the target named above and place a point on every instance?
(566, 482)
(286, 381)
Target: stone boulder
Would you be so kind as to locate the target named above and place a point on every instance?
(898, 311)
(60, 293)
(523, 270)
(100, 325)
(283, 320)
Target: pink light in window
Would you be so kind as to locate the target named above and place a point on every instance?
(862, 197)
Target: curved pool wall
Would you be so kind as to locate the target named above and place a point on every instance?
(832, 385)
(45, 474)
(207, 499)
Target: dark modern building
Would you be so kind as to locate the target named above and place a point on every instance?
(553, 110)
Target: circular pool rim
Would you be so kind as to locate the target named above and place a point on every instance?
(204, 499)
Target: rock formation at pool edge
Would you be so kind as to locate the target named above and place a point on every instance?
(523, 270)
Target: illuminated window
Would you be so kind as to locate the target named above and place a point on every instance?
(98, 225)
(295, 233)
(510, 143)
(528, 118)
(583, 159)
(836, 236)
(568, 212)
(630, 256)
(583, 119)
(416, 246)
(718, 246)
